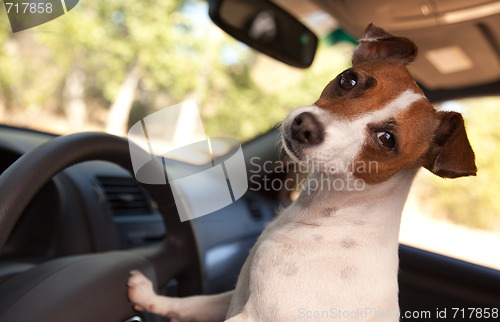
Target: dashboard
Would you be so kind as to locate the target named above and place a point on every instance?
(97, 206)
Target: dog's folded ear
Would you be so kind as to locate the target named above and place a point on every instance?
(378, 44)
(450, 154)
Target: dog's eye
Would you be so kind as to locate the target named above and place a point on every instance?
(348, 80)
(386, 139)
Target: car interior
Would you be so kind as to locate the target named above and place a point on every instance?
(74, 220)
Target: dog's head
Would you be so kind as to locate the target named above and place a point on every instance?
(373, 120)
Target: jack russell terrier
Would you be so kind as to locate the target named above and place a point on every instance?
(334, 251)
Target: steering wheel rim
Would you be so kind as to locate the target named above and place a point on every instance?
(21, 182)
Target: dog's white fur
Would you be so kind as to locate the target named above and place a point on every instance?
(345, 260)
(334, 252)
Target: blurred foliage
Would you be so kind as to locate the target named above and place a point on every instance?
(173, 47)
(471, 201)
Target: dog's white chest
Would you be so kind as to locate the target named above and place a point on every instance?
(300, 268)
(327, 253)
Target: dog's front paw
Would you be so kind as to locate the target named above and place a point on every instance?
(141, 292)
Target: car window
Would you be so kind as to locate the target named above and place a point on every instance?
(461, 217)
(106, 65)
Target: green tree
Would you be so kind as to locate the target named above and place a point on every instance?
(116, 44)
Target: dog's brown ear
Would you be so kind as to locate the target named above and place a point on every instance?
(378, 44)
(450, 155)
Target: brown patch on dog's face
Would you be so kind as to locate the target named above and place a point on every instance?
(376, 84)
(411, 135)
(354, 107)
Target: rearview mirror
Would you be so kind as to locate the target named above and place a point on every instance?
(267, 28)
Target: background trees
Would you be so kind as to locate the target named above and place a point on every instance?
(105, 64)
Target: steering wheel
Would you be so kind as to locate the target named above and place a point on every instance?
(90, 287)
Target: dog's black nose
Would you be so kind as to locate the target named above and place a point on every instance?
(306, 129)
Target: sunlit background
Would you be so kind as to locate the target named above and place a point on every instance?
(107, 64)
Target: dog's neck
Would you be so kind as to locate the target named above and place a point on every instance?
(374, 207)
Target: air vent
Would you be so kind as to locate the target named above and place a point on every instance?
(124, 196)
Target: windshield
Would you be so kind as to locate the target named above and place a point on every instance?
(106, 65)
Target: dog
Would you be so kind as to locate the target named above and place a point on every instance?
(333, 253)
